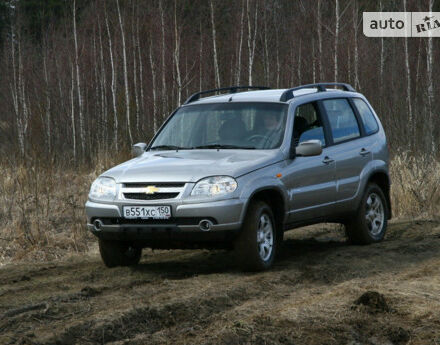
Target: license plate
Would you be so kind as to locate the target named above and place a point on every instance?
(147, 212)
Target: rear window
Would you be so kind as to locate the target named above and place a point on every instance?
(367, 116)
(342, 119)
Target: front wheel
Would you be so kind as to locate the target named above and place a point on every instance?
(257, 244)
(116, 253)
(370, 222)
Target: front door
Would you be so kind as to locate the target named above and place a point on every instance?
(310, 180)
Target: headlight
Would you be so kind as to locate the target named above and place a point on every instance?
(215, 185)
(103, 188)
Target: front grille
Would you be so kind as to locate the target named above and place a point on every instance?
(156, 196)
(158, 185)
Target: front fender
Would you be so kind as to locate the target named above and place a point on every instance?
(262, 180)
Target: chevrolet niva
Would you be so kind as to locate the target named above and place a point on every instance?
(238, 169)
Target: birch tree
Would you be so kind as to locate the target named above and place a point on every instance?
(164, 84)
(177, 56)
(78, 86)
(135, 72)
(124, 63)
(48, 117)
(153, 86)
(214, 47)
(408, 82)
(252, 38)
(240, 45)
(335, 56)
(430, 89)
(114, 84)
(72, 110)
(356, 23)
(319, 28)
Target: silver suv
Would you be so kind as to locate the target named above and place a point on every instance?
(238, 169)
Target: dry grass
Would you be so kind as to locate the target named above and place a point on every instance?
(415, 190)
(42, 209)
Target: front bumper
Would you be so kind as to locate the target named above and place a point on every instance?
(226, 216)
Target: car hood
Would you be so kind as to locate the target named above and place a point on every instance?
(191, 165)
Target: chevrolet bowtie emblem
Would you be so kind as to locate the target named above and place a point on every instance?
(151, 190)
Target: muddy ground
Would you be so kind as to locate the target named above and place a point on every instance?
(321, 291)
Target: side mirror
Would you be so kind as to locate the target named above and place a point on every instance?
(309, 148)
(138, 149)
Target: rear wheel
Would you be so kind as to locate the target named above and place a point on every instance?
(370, 222)
(257, 244)
(116, 253)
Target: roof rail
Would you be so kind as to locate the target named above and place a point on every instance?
(288, 94)
(231, 89)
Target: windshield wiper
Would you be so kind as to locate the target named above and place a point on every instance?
(220, 146)
(169, 147)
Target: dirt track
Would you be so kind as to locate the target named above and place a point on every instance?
(192, 297)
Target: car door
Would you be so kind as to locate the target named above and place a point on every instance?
(310, 180)
(350, 148)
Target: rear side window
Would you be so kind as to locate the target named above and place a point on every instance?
(367, 116)
(342, 119)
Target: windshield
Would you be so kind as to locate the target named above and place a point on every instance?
(225, 126)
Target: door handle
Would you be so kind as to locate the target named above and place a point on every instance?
(364, 152)
(327, 160)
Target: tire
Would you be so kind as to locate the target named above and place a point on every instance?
(370, 221)
(115, 253)
(257, 245)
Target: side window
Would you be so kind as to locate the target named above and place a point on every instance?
(342, 119)
(307, 124)
(367, 116)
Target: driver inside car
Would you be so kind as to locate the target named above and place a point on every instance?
(273, 129)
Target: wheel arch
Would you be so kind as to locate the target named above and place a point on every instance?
(274, 197)
(382, 179)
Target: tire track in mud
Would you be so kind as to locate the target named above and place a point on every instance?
(147, 320)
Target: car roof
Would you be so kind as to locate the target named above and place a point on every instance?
(274, 95)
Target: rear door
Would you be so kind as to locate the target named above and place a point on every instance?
(310, 180)
(350, 148)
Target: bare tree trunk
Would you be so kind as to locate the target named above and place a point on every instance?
(214, 47)
(15, 95)
(408, 84)
(153, 81)
(97, 92)
(313, 61)
(141, 74)
(114, 84)
(24, 119)
(124, 61)
(78, 86)
(321, 72)
(48, 117)
(356, 52)
(299, 62)
(164, 85)
(429, 72)
(103, 81)
(200, 57)
(252, 38)
(72, 111)
(177, 56)
(135, 74)
(335, 56)
(266, 51)
(240, 45)
(349, 64)
(278, 58)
